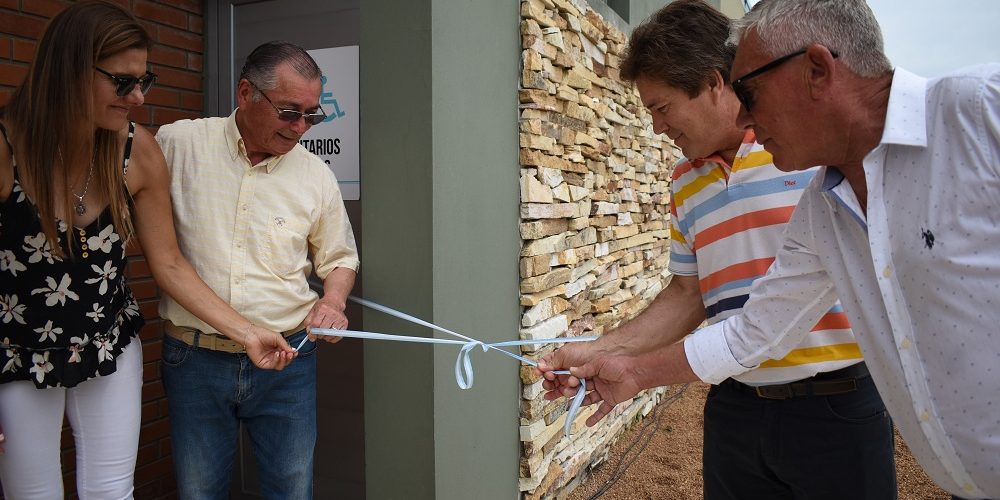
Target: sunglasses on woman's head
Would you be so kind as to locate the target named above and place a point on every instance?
(125, 83)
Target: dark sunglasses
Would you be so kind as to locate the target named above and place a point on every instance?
(744, 94)
(290, 115)
(125, 83)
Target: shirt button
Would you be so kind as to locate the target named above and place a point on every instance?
(236, 281)
(924, 417)
(244, 207)
(968, 488)
(887, 272)
(905, 344)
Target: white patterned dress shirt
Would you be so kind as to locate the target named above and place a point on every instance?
(919, 276)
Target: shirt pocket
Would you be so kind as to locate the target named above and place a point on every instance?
(287, 244)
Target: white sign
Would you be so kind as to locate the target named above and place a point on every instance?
(335, 140)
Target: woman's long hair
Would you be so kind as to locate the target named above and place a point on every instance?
(52, 112)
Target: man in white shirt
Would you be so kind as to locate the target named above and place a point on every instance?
(255, 214)
(901, 225)
(797, 425)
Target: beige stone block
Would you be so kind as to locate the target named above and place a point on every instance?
(530, 299)
(631, 269)
(535, 9)
(568, 7)
(564, 258)
(534, 265)
(538, 44)
(543, 311)
(567, 137)
(539, 142)
(561, 193)
(545, 281)
(546, 245)
(571, 178)
(588, 28)
(584, 253)
(605, 303)
(566, 93)
(530, 27)
(579, 222)
(577, 193)
(550, 210)
(564, 60)
(542, 228)
(531, 157)
(601, 249)
(532, 60)
(582, 138)
(609, 274)
(575, 78)
(579, 112)
(577, 286)
(587, 236)
(533, 191)
(533, 126)
(548, 329)
(625, 231)
(554, 36)
(597, 292)
(604, 208)
(555, 75)
(603, 221)
(536, 96)
(533, 79)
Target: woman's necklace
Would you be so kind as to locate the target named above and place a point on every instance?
(80, 207)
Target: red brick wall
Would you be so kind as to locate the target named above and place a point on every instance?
(176, 26)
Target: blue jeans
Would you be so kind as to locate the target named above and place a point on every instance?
(210, 393)
(821, 447)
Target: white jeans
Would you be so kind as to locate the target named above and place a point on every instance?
(104, 413)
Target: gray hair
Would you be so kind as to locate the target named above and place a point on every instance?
(847, 27)
(261, 65)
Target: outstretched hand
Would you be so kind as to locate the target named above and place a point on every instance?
(268, 350)
(610, 376)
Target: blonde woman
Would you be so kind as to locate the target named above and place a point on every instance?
(77, 182)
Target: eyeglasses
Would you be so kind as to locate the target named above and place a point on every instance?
(290, 115)
(125, 83)
(744, 94)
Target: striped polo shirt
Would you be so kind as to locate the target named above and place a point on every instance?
(727, 224)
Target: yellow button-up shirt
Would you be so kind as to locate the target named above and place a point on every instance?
(249, 230)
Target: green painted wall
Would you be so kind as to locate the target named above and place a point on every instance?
(440, 211)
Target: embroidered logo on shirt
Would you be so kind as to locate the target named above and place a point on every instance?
(928, 237)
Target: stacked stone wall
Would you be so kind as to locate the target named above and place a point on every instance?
(595, 194)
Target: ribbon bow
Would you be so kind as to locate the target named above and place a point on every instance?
(463, 364)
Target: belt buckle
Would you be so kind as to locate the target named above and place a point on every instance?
(782, 391)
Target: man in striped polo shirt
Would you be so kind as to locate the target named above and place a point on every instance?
(808, 425)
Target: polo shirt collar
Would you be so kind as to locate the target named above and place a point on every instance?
(905, 118)
(906, 114)
(237, 146)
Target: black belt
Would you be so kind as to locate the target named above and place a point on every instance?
(839, 381)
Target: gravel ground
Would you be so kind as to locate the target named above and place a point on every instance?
(670, 465)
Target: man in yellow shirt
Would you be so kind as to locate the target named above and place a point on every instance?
(255, 214)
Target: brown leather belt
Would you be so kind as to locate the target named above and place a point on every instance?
(211, 341)
(840, 381)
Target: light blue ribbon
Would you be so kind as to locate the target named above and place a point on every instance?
(463, 364)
